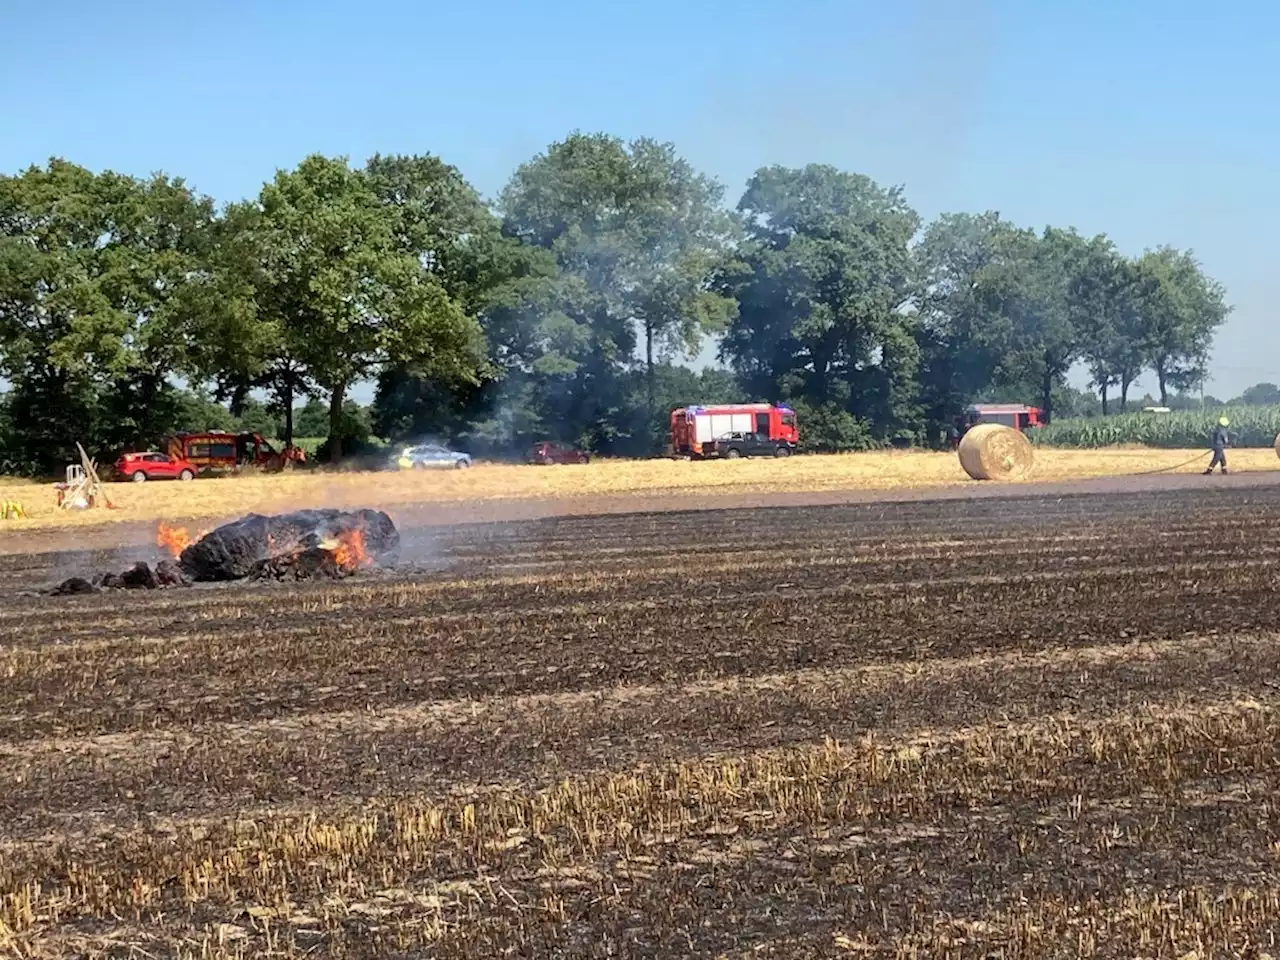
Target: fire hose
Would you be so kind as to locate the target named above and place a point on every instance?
(1179, 466)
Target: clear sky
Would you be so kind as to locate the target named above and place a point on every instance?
(1154, 121)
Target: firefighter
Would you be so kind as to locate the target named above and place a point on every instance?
(1221, 440)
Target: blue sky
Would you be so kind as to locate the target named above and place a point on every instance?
(1154, 122)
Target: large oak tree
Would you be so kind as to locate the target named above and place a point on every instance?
(350, 293)
(642, 233)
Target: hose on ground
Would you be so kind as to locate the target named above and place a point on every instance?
(1179, 466)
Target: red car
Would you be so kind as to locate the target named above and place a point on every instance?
(154, 466)
(546, 453)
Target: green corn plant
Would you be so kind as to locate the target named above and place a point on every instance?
(1250, 427)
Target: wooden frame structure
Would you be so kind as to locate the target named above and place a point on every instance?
(82, 489)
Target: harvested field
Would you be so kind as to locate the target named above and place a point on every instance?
(1017, 726)
(230, 497)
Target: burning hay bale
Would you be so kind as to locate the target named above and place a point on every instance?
(309, 564)
(306, 543)
(992, 451)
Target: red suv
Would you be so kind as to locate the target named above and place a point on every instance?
(154, 466)
(545, 453)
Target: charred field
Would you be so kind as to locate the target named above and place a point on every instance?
(1025, 726)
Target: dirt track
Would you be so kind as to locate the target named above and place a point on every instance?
(1043, 723)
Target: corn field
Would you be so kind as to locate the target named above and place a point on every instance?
(1250, 427)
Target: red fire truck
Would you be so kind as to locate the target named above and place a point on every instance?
(691, 427)
(219, 450)
(1014, 415)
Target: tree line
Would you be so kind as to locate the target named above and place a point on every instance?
(565, 309)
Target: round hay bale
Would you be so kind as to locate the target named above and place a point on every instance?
(992, 451)
(1278, 444)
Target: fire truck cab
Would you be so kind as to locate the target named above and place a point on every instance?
(1014, 415)
(696, 426)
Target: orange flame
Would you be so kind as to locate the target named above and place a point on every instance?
(173, 539)
(349, 551)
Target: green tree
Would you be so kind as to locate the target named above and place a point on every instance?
(964, 340)
(1102, 303)
(1124, 354)
(1181, 309)
(355, 432)
(102, 279)
(1029, 285)
(439, 219)
(641, 230)
(312, 419)
(242, 342)
(1260, 395)
(349, 297)
(509, 287)
(822, 288)
(257, 417)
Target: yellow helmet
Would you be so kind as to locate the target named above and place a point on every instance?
(1224, 421)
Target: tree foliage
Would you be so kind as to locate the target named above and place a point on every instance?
(1180, 310)
(132, 306)
(639, 234)
(963, 337)
(102, 280)
(354, 292)
(825, 275)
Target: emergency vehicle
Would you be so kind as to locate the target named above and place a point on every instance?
(691, 427)
(1014, 415)
(219, 450)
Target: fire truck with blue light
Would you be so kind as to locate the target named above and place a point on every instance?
(734, 430)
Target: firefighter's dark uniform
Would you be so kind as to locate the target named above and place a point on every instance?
(1220, 440)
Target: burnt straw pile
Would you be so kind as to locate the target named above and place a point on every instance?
(141, 576)
(303, 545)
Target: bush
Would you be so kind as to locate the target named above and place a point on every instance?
(1250, 427)
(361, 448)
(829, 428)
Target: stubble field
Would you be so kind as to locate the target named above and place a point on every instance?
(1030, 726)
(226, 497)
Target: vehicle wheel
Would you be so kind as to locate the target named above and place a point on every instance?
(782, 452)
(139, 476)
(731, 454)
(186, 475)
(462, 465)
